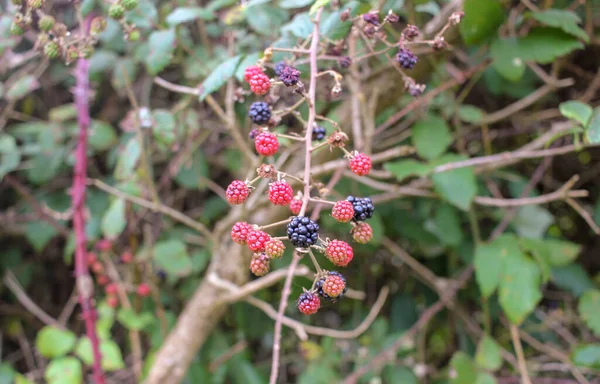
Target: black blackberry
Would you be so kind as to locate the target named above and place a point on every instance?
(259, 113)
(406, 58)
(303, 232)
(371, 18)
(318, 133)
(279, 67)
(363, 207)
(289, 76)
(345, 61)
(319, 287)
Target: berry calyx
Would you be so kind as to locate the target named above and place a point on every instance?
(289, 76)
(332, 286)
(256, 240)
(339, 252)
(266, 144)
(362, 233)
(259, 113)
(361, 164)
(237, 192)
(308, 303)
(406, 58)
(363, 207)
(303, 232)
(296, 205)
(250, 71)
(143, 290)
(343, 211)
(274, 248)
(260, 84)
(260, 264)
(104, 245)
(280, 193)
(318, 133)
(240, 231)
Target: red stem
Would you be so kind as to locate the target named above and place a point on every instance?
(82, 276)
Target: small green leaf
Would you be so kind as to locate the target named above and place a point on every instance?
(466, 372)
(532, 221)
(587, 355)
(10, 157)
(114, 222)
(398, 374)
(408, 167)
(334, 28)
(134, 321)
(144, 16)
(592, 132)
(128, 159)
(470, 113)
(519, 290)
(566, 20)
(457, 186)
(124, 72)
(102, 135)
(163, 126)
(22, 87)
(555, 252)
(489, 262)
(589, 310)
(266, 19)
(488, 354)
(191, 172)
(292, 4)
(162, 45)
(431, 136)
(39, 233)
(572, 278)
(172, 256)
(112, 359)
(185, 14)
(544, 45)
(446, 225)
(485, 378)
(219, 76)
(482, 19)
(65, 370)
(576, 110)
(318, 4)
(63, 113)
(53, 342)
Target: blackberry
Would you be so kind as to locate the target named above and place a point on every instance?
(371, 17)
(406, 58)
(279, 67)
(363, 207)
(259, 113)
(289, 76)
(345, 61)
(321, 281)
(318, 133)
(303, 232)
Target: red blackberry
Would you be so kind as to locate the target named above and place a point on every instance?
(343, 211)
(259, 113)
(143, 290)
(339, 252)
(237, 192)
(256, 240)
(289, 76)
(332, 287)
(280, 193)
(363, 207)
(240, 231)
(274, 248)
(318, 133)
(111, 289)
(251, 71)
(126, 257)
(104, 245)
(266, 144)
(296, 205)
(260, 264)
(260, 84)
(308, 303)
(406, 58)
(112, 301)
(303, 232)
(361, 164)
(362, 233)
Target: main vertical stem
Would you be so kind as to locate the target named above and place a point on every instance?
(85, 285)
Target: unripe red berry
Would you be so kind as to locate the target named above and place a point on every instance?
(260, 264)
(266, 144)
(126, 257)
(91, 258)
(281, 193)
(102, 280)
(334, 285)
(339, 252)
(343, 211)
(296, 206)
(143, 290)
(256, 240)
(362, 233)
(112, 301)
(97, 267)
(308, 303)
(250, 71)
(360, 164)
(260, 84)
(240, 231)
(237, 192)
(104, 245)
(111, 289)
(274, 248)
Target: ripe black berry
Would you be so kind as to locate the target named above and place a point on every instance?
(279, 68)
(363, 207)
(303, 232)
(318, 133)
(406, 58)
(289, 76)
(321, 281)
(259, 113)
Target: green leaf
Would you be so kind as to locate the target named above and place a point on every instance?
(592, 132)
(532, 221)
(164, 126)
(482, 19)
(191, 172)
(318, 4)
(172, 256)
(292, 4)
(488, 354)
(45, 166)
(507, 58)
(102, 136)
(114, 221)
(572, 278)
(489, 262)
(134, 321)
(587, 355)
(431, 136)
(408, 167)
(53, 342)
(219, 76)
(470, 113)
(589, 310)
(22, 87)
(398, 374)
(112, 359)
(128, 159)
(446, 225)
(485, 378)
(544, 45)
(63, 113)
(144, 16)
(162, 45)
(185, 14)
(65, 370)
(334, 28)
(576, 110)
(7, 374)
(124, 73)
(10, 157)
(555, 252)
(457, 186)
(466, 372)
(519, 290)
(39, 233)
(566, 20)
(266, 19)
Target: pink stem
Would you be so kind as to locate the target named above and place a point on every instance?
(82, 276)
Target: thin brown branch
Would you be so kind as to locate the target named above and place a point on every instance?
(514, 334)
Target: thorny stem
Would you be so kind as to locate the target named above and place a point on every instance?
(314, 46)
(315, 262)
